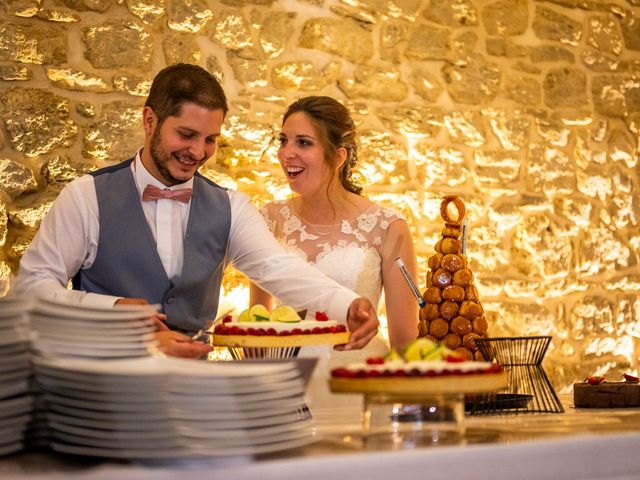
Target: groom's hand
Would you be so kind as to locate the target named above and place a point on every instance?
(175, 344)
(158, 318)
(362, 322)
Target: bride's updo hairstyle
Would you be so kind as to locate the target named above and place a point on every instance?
(335, 129)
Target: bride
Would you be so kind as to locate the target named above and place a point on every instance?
(332, 226)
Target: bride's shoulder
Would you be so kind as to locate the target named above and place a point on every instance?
(375, 219)
(275, 208)
(385, 212)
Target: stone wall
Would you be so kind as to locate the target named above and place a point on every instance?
(530, 110)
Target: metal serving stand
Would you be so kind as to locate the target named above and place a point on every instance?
(529, 389)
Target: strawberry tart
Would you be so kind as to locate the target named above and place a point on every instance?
(424, 367)
(257, 327)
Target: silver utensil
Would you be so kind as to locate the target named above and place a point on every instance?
(210, 325)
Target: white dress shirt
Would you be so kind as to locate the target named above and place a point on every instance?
(68, 241)
(166, 218)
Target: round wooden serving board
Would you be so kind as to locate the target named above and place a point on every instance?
(273, 341)
(477, 383)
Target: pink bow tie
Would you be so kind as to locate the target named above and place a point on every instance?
(154, 193)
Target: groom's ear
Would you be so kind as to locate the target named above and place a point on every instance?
(149, 120)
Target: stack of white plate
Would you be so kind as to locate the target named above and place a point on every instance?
(162, 408)
(62, 329)
(15, 374)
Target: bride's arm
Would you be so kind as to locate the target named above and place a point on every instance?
(257, 295)
(402, 307)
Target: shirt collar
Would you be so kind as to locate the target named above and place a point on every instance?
(144, 178)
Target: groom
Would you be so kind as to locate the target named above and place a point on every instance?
(153, 230)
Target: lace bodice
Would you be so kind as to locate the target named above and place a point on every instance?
(348, 252)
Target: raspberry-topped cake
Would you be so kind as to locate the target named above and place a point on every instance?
(424, 367)
(257, 327)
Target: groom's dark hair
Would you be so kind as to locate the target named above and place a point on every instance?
(184, 83)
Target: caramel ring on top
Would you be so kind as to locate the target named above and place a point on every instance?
(444, 209)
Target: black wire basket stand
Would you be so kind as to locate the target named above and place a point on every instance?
(529, 389)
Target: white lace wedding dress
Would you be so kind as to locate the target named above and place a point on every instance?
(349, 253)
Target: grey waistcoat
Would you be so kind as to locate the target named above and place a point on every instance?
(127, 263)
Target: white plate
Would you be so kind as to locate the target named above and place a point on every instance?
(216, 443)
(123, 380)
(104, 351)
(166, 443)
(192, 452)
(90, 414)
(16, 375)
(14, 348)
(12, 336)
(99, 384)
(155, 424)
(134, 394)
(243, 423)
(200, 371)
(113, 424)
(15, 300)
(237, 387)
(255, 434)
(11, 447)
(19, 362)
(196, 369)
(15, 406)
(159, 405)
(96, 355)
(95, 308)
(15, 422)
(7, 328)
(247, 400)
(62, 325)
(103, 343)
(11, 434)
(88, 339)
(173, 414)
(124, 453)
(87, 382)
(238, 384)
(173, 438)
(228, 412)
(92, 316)
(11, 313)
(142, 367)
(14, 388)
(115, 434)
(303, 437)
(144, 396)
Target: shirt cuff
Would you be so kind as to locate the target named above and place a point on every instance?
(339, 306)
(98, 300)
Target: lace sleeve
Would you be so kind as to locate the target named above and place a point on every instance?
(387, 217)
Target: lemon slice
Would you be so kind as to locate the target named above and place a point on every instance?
(437, 353)
(244, 316)
(284, 313)
(258, 313)
(392, 355)
(419, 349)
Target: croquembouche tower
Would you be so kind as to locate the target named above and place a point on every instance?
(453, 313)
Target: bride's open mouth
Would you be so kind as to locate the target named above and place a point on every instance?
(293, 172)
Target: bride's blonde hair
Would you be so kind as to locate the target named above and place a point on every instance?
(335, 129)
